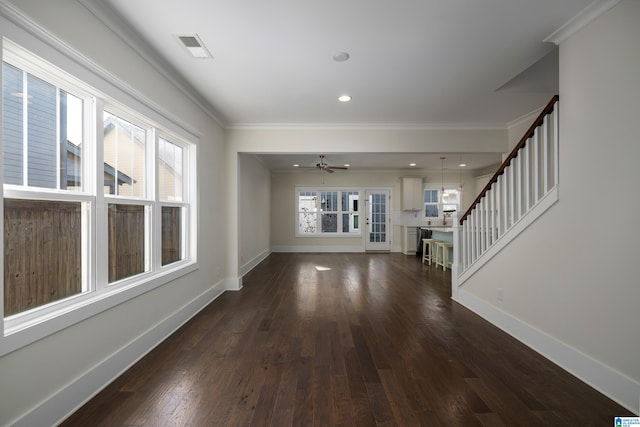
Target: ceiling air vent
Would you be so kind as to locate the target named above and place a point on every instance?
(194, 45)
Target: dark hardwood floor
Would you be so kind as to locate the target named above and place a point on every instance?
(375, 340)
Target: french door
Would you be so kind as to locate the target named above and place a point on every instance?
(378, 221)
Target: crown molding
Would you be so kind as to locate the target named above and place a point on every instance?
(582, 19)
(135, 41)
(368, 126)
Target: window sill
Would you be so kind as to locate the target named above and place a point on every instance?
(26, 328)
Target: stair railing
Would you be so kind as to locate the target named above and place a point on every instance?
(521, 185)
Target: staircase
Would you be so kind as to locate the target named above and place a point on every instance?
(525, 185)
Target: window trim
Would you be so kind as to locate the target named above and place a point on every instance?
(26, 327)
(339, 212)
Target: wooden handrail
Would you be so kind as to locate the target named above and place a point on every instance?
(514, 153)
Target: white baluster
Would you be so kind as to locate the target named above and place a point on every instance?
(536, 166)
(554, 118)
(512, 192)
(546, 155)
(494, 214)
(483, 238)
(526, 151)
(519, 187)
(487, 216)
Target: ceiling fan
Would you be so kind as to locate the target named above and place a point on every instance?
(323, 166)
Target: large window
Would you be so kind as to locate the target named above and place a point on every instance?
(98, 199)
(327, 212)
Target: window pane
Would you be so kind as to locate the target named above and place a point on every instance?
(350, 200)
(41, 145)
(328, 201)
(307, 201)
(41, 133)
(170, 170)
(124, 157)
(307, 222)
(329, 223)
(171, 234)
(350, 223)
(431, 211)
(71, 136)
(431, 196)
(12, 124)
(126, 241)
(42, 253)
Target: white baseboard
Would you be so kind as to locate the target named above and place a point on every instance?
(62, 404)
(233, 284)
(606, 380)
(248, 266)
(323, 249)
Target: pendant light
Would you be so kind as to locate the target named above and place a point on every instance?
(460, 166)
(442, 182)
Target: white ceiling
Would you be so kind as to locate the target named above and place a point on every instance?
(412, 62)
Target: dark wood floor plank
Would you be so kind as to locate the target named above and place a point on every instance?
(362, 412)
(374, 341)
(398, 400)
(303, 409)
(342, 408)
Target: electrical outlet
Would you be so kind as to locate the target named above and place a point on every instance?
(500, 296)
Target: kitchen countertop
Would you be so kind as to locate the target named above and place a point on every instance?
(439, 228)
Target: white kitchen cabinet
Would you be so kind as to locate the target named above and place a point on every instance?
(409, 240)
(412, 194)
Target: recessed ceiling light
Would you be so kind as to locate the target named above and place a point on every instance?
(412, 164)
(341, 57)
(295, 165)
(346, 165)
(462, 165)
(344, 98)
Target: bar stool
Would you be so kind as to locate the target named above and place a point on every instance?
(442, 254)
(428, 243)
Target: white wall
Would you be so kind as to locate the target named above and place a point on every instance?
(52, 376)
(571, 277)
(255, 213)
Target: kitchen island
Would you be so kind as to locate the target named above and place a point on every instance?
(442, 234)
(439, 232)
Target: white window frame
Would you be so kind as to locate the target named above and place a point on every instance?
(98, 295)
(319, 212)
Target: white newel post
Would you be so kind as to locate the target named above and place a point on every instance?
(456, 265)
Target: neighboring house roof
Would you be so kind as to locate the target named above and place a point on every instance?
(109, 170)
